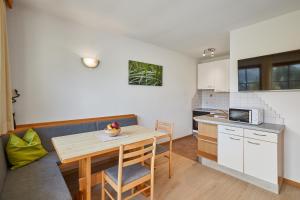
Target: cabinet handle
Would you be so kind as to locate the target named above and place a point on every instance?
(234, 138)
(207, 141)
(253, 143)
(227, 129)
(259, 134)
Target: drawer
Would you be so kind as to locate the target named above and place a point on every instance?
(260, 135)
(231, 130)
(207, 149)
(208, 130)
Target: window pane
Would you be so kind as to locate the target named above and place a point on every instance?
(253, 75)
(280, 73)
(280, 85)
(253, 86)
(242, 75)
(294, 85)
(295, 72)
(242, 87)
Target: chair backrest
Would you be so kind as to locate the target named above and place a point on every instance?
(135, 153)
(164, 126)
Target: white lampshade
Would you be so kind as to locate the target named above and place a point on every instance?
(90, 62)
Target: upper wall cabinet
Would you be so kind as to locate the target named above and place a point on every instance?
(214, 76)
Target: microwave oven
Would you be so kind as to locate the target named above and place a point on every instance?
(247, 115)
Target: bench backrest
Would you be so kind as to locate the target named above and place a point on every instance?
(49, 130)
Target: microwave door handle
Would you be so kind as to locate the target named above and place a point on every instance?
(250, 116)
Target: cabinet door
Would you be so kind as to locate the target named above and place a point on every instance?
(221, 76)
(260, 160)
(230, 151)
(206, 76)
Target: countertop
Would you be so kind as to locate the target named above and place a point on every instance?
(211, 110)
(204, 109)
(267, 127)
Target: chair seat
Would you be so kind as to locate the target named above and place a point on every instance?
(130, 173)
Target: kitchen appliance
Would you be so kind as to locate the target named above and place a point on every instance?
(195, 114)
(247, 115)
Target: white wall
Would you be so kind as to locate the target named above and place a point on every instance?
(54, 85)
(273, 36)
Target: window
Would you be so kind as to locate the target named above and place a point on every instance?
(249, 78)
(286, 76)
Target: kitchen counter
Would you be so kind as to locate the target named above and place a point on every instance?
(267, 127)
(210, 110)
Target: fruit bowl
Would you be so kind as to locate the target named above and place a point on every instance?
(113, 132)
(113, 129)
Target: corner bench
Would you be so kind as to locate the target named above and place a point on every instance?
(43, 179)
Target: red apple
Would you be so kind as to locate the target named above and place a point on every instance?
(115, 125)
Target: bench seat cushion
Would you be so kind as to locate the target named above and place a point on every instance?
(41, 179)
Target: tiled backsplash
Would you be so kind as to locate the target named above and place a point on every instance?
(211, 99)
(218, 100)
(197, 99)
(252, 100)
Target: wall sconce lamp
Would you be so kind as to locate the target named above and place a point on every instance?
(90, 62)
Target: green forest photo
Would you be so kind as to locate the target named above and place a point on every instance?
(145, 74)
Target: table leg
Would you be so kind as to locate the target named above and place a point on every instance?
(85, 178)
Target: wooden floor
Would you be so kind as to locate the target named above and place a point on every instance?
(186, 146)
(192, 181)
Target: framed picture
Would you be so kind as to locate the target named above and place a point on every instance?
(145, 74)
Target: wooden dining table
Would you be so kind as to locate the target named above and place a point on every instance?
(83, 147)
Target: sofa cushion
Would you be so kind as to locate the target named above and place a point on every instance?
(41, 179)
(21, 152)
(123, 122)
(3, 166)
(46, 133)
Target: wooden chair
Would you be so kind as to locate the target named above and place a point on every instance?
(162, 151)
(130, 173)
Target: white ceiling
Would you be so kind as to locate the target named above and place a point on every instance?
(186, 26)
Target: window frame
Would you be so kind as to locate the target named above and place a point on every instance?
(246, 77)
(284, 64)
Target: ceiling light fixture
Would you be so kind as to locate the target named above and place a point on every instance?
(209, 50)
(90, 62)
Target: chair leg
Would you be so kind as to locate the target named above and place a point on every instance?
(170, 165)
(152, 189)
(103, 187)
(119, 193)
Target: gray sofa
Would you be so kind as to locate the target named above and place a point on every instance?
(42, 179)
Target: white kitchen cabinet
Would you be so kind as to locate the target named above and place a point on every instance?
(230, 151)
(206, 76)
(222, 76)
(257, 154)
(214, 75)
(260, 159)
